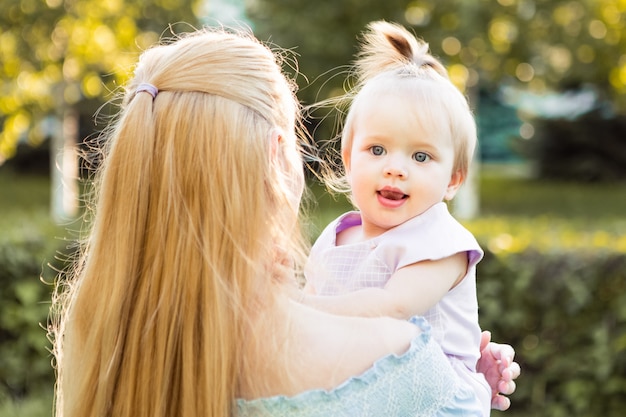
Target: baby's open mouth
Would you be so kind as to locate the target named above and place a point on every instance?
(392, 195)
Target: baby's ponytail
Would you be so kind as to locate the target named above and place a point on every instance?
(390, 47)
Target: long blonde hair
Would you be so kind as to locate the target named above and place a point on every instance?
(391, 60)
(193, 200)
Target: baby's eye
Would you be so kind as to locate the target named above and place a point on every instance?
(421, 157)
(377, 150)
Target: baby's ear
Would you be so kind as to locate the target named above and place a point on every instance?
(456, 180)
(345, 159)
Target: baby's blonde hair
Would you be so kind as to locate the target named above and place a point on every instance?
(194, 200)
(393, 61)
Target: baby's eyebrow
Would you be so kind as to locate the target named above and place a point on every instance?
(379, 138)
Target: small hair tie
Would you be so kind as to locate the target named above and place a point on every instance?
(148, 88)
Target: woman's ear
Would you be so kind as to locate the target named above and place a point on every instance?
(456, 180)
(275, 138)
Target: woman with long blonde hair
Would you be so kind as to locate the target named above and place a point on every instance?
(181, 301)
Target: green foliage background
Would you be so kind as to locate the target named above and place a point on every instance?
(60, 55)
(591, 148)
(29, 241)
(566, 315)
(538, 45)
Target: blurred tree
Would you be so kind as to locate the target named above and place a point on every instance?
(587, 149)
(538, 45)
(60, 55)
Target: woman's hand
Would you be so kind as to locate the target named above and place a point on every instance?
(500, 370)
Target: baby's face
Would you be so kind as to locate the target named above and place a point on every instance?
(397, 167)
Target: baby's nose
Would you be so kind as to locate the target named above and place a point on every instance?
(395, 170)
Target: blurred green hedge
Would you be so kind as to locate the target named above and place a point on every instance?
(25, 360)
(564, 312)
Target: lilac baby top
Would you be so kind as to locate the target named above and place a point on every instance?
(433, 235)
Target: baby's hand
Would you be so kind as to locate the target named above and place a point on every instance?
(496, 363)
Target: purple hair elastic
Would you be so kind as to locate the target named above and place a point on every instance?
(148, 88)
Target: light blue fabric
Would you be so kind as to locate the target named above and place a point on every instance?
(419, 382)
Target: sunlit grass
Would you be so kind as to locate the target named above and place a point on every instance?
(25, 209)
(519, 214)
(548, 233)
(527, 197)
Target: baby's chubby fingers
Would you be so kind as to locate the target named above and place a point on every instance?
(500, 403)
(509, 371)
(507, 387)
